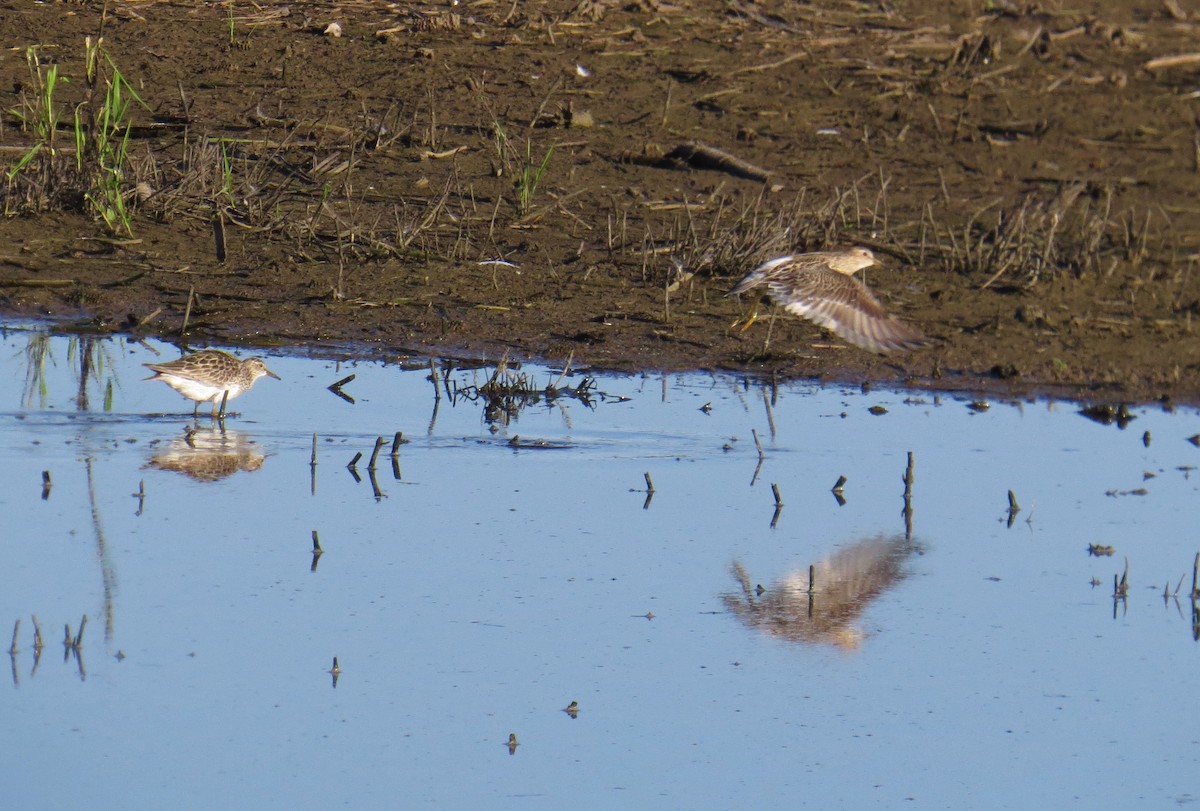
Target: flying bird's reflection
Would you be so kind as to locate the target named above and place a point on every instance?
(209, 454)
(823, 603)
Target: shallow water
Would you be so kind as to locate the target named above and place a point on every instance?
(477, 588)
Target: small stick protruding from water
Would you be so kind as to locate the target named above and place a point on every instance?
(354, 462)
(1196, 576)
(375, 453)
(46, 484)
(434, 377)
(1013, 508)
(757, 442)
(397, 441)
(336, 669)
(37, 634)
(775, 492)
(812, 578)
(566, 369)
(840, 485)
(1121, 587)
(317, 551)
(908, 475)
(336, 388)
(12, 649)
(78, 643)
(649, 482)
(312, 462)
(770, 413)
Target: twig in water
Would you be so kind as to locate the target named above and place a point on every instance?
(375, 453)
(433, 376)
(907, 512)
(12, 649)
(397, 441)
(649, 483)
(840, 485)
(775, 492)
(566, 369)
(312, 462)
(336, 388)
(770, 413)
(317, 551)
(354, 462)
(46, 485)
(757, 442)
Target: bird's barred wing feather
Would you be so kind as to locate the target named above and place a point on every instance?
(767, 272)
(845, 306)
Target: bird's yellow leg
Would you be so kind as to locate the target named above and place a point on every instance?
(743, 324)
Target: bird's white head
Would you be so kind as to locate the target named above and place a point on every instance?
(258, 368)
(853, 260)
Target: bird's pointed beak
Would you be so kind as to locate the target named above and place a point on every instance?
(271, 374)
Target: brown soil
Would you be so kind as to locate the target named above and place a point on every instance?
(1029, 172)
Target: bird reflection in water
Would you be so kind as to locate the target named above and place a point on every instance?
(823, 603)
(209, 454)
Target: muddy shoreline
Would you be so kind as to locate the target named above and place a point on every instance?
(495, 183)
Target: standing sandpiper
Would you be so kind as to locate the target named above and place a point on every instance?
(210, 376)
(821, 287)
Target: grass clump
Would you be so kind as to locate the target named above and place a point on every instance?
(92, 174)
(530, 177)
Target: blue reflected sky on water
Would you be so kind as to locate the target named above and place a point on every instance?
(488, 587)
